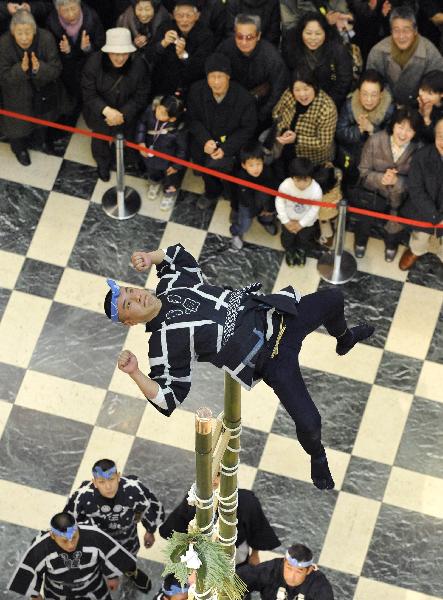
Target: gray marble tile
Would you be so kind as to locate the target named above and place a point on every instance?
(121, 413)
(186, 211)
(343, 584)
(14, 541)
(405, 550)
(166, 470)
(421, 446)
(427, 271)
(341, 411)
(252, 444)
(298, 511)
(79, 345)
(435, 352)
(39, 278)
(104, 245)
(366, 478)
(225, 266)
(398, 372)
(207, 389)
(20, 210)
(373, 299)
(42, 450)
(4, 299)
(75, 179)
(11, 378)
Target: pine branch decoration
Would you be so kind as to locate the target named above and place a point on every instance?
(215, 572)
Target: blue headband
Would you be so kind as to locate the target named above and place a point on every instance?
(115, 288)
(298, 563)
(175, 589)
(98, 472)
(68, 534)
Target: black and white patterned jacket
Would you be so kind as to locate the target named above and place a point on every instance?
(118, 516)
(208, 323)
(79, 574)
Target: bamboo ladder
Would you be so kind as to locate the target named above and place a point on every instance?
(215, 452)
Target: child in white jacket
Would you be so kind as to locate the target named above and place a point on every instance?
(298, 220)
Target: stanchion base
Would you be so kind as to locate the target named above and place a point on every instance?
(348, 268)
(131, 204)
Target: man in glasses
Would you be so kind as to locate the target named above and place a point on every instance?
(71, 561)
(256, 64)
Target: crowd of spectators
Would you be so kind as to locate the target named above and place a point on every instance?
(322, 99)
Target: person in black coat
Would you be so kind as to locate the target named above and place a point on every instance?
(314, 44)
(78, 32)
(115, 89)
(254, 532)
(267, 10)
(430, 104)
(289, 578)
(425, 199)
(257, 65)
(222, 118)
(143, 18)
(212, 14)
(179, 50)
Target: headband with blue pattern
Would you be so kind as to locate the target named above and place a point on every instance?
(175, 589)
(115, 289)
(298, 563)
(68, 534)
(98, 472)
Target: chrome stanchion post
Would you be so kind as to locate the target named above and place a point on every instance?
(121, 202)
(341, 266)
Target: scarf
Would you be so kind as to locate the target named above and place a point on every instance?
(377, 114)
(72, 29)
(402, 57)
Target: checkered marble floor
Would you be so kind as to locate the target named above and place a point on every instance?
(63, 403)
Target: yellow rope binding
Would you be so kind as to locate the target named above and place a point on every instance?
(279, 337)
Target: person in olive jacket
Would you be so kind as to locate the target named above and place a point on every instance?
(115, 88)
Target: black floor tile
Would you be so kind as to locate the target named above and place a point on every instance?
(21, 207)
(11, 378)
(41, 450)
(78, 344)
(104, 246)
(405, 550)
(398, 372)
(227, 267)
(186, 211)
(121, 413)
(366, 478)
(75, 179)
(39, 278)
(421, 446)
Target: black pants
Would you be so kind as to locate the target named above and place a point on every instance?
(301, 240)
(282, 373)
(371, 201)
(213, 185)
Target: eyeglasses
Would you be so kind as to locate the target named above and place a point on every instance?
(245, 38)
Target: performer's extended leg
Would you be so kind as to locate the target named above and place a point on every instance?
(326, 307)
(282, 374)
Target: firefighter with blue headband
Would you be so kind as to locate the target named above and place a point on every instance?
(71, 560)
(294, 577)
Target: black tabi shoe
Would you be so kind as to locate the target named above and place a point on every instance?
(352, 336)
(140, 580)
(320, 473)
(290, 258)
(23, 157)
(103, 173)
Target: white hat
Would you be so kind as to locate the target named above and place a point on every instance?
(119, 40)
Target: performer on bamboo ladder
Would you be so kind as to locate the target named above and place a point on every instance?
(254, 532)
(250, 335)
(71, 560)
(290, 578)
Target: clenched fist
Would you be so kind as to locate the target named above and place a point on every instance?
(127, 362)
(141, 261)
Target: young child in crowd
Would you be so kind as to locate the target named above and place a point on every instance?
(251, 203)
(298, 220)
(160, 128)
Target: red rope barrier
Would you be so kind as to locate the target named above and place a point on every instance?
(220, 175)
